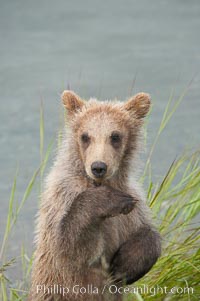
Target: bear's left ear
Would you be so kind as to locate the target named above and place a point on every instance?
(139, 105)
(72, 102)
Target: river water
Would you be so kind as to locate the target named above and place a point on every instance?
(105, 49)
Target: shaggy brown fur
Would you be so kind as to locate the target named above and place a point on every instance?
(94, 229)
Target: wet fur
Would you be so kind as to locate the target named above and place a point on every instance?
(88, 233)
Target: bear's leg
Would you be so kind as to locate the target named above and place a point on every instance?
(79, 228)
(135, 257)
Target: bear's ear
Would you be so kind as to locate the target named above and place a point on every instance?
(139, 105)
(72, 102)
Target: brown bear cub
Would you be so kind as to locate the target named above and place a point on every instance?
(94, 228)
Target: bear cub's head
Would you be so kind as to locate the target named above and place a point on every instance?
(106, 133)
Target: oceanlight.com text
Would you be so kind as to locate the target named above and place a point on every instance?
(113, 289)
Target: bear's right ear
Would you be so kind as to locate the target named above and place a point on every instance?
(72, 102)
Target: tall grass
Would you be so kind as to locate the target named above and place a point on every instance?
(175, 202)
(8, 292)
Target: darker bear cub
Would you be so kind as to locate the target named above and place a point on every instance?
(94, 228)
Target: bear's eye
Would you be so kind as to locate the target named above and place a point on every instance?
(85, 138)
(115, 138)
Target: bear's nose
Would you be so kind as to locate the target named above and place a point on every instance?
(98, 169)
